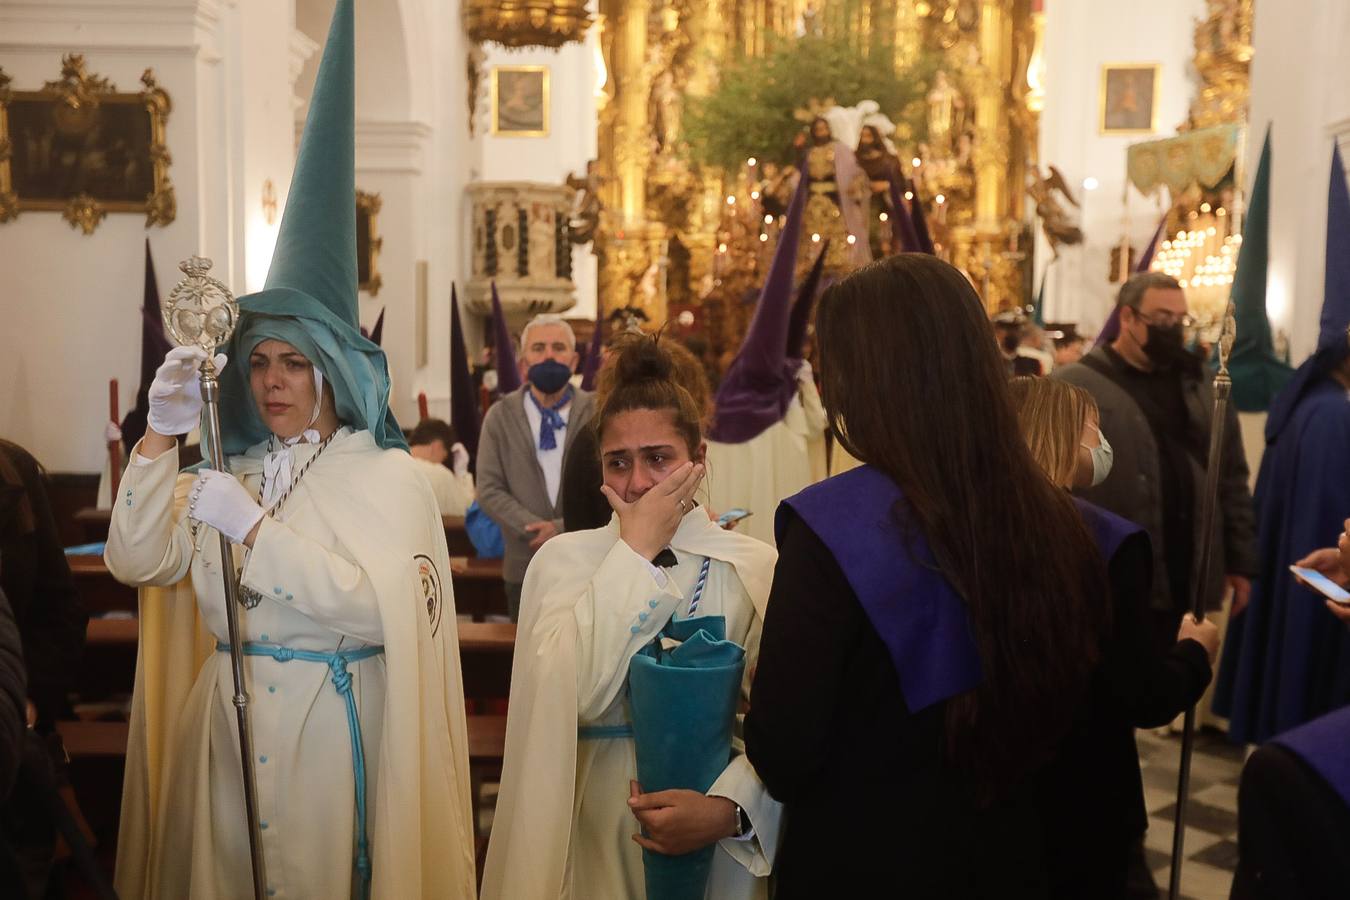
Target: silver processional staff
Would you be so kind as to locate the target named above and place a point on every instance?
(201, 312)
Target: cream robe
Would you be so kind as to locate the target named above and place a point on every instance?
(562, 827)
(340, 569)
(770, 467)
(454, 493)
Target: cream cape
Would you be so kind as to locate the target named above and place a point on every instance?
(528, 856)
(382, 517)
(770, 467)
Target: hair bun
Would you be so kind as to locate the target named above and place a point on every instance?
(641, 358)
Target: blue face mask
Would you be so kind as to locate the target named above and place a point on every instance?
(550, 376)
(1102, 457)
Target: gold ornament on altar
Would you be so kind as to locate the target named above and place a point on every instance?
(663, 59)
(526, 23)
(1058, 227)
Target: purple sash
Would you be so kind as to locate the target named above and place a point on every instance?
(1108, 529)
(908, 600)
(1324, 744)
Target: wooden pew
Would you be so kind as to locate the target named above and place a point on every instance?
(92, 525)
(485, 650)
(456, 537)
(479, 589)
(99, 591)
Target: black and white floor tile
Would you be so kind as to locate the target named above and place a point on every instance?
(1210, 845)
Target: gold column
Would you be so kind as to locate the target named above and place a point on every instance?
(630, 146)
(991, 140)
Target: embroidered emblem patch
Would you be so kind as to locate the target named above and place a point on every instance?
(431, 590)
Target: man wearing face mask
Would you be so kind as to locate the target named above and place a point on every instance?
(1156, 402)
(524, 440)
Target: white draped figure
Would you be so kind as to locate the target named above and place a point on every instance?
(570, 818)
(780, 461)
(348, 576)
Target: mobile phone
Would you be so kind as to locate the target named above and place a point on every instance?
(1322, 584)
(735, 515)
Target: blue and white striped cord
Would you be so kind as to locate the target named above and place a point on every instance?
(698, 588)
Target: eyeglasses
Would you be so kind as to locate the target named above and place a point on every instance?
(1164, 319)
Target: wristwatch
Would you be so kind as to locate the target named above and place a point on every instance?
(743, 826)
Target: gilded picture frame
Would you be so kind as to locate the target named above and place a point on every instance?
(81, 148)
(368, 242)
(520, 101)
(1127, 99)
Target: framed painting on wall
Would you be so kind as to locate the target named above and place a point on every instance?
(81, 148)
(1128, 102)
(520, 101)
(368, 242)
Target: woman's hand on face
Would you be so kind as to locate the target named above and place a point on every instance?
(649, 522)
(679, 821)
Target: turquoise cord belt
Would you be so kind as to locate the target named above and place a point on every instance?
(603, 732)
(336, 661)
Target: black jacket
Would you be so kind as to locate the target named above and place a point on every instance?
(871, 808)
(1092, 795)
(1133, 490)
(13, 699)
(36, 578)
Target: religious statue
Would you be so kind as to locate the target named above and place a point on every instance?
(882, 167)
(667, 108)
(946, 115)
(585, 213)
(836, 202)
(1055, 221)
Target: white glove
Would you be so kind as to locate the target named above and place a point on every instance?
(459, 459)
(219, 500)
(176, 394)
(804, 373)
(112, 432)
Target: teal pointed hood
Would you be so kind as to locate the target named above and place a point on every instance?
(1258, 375)
(309, 298)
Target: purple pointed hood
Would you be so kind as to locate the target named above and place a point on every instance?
(377, 330)
(1111, 330)
(925, 240)
(153, 347)
(902, 225)
(761, 382)
(591, 364)
(801, 310)
(1332, 346)
(508, 373)
(463, 394)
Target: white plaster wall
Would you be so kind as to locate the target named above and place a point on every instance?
(1080, 37)
(1298, 77)
(70, 302)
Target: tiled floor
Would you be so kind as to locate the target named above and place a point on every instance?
(1211, 817)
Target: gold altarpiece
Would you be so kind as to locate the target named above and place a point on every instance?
(658, 238)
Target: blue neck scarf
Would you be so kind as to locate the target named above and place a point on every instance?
(549, 419)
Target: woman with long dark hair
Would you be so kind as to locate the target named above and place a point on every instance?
(935, 614)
